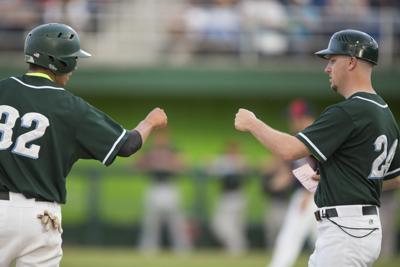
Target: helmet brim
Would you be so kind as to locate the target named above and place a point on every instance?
(325, 53)
(82, 54)
(79, 54)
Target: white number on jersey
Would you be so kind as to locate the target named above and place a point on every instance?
(6, 131)
(381, 164)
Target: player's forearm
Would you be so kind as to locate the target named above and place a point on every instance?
(391, 184)
(282, 144)
(155, 119)
(144, 128)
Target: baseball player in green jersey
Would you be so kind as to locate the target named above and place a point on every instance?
(356, 145)
(44, 130)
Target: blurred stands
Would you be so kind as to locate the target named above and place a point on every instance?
(17, 16)
(243, 32)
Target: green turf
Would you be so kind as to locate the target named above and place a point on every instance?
(99, 257)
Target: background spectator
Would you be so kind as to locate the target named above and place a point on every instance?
(162, 206)
(228, 222)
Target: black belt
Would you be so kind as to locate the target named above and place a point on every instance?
(332, 212)
(6, 196)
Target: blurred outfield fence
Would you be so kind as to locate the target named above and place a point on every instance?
(105, 206)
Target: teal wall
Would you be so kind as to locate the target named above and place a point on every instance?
(277, 81)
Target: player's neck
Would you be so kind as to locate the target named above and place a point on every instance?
(360, 90)
(50, 74)
(357, 85)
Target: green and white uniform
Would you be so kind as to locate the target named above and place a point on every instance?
(44, 130)
(357, 145)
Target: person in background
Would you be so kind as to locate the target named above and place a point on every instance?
(228, 223)
(277, 185)
(388, 216)
(299, 222)
(162, 206)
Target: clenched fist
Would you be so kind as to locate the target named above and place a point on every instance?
(157, 118)
(244, 119)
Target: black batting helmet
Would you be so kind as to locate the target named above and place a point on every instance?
(54, 46)
(352, 43)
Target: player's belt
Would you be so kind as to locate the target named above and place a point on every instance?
(332, 212)
(6, 196)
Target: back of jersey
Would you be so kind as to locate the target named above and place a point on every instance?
(35, 129)
(376, 128)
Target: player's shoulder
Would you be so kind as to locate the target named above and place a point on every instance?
(33, 85)
(359, 102)
(45, 89)
(335, 109)
(366, 100)
(6, 82)
(346, 109)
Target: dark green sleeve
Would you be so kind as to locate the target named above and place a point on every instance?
(99, 136)
(327, 133)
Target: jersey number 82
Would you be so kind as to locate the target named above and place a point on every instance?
(20, 147)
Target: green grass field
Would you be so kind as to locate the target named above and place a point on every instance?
(115, 257)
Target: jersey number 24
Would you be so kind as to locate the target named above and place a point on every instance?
(6, 131)
(381, 164)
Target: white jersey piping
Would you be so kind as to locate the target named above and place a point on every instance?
(314, 146)
(37, 87)
(113, 147)
(372, 101)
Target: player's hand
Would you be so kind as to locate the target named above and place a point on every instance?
(316, 177)
(157, 118)
(50, 220)
(244, 119)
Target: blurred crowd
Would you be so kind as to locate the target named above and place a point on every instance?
(19, 16)
(271, 27)
(219, 27)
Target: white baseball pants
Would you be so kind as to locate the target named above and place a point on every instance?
(23, 239)
(335, 248)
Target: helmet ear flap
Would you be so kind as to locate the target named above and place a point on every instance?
(67, 65)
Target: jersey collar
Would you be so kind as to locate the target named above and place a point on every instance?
(369, 97)
(39, 74)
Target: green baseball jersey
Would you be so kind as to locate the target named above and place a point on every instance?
(356, 144)
(44, 130)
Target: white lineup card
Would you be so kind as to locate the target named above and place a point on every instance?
(304, 174)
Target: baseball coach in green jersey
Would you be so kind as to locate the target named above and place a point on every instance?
(44, 130)
(356, 145)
